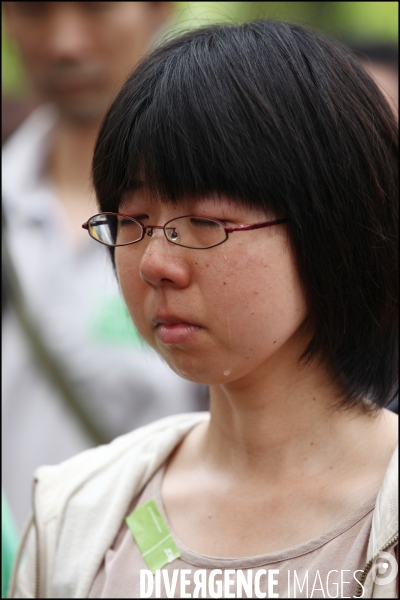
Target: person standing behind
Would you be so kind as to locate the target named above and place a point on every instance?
(77, 55)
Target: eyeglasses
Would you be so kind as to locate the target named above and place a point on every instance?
(189, 231)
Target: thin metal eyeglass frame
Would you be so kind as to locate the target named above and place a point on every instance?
(228, 230)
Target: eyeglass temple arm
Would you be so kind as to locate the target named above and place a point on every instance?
(255, 226)
(85, 226)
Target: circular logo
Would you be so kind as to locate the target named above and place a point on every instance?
(384, 568)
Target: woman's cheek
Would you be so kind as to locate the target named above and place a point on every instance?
(132, 289)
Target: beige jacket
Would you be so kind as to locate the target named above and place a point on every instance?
(79, 506)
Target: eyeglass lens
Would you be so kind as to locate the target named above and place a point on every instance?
(114, 230)
(195, 232)
(191, 232)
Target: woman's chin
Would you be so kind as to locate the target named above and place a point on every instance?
(199, 372)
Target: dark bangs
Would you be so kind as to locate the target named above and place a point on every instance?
(200, 117)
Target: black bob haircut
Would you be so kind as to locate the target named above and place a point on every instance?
(276, 116)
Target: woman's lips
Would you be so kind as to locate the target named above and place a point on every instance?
(176, 333)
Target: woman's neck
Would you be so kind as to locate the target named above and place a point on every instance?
(282, 423)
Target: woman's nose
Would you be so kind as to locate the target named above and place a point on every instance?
(162, 263)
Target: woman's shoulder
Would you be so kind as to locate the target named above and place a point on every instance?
(146, 445)
(80, 503)
(385, 521)
(384, 536)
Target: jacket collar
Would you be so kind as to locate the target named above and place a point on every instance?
(86, 497)
(385, 520)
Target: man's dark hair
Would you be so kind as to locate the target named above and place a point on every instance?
(279, 117)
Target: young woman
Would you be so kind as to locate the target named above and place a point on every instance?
(247, 182)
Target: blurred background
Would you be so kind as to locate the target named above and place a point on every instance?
(366, 25)
(59, 397)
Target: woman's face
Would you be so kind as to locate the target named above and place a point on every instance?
(214, 315)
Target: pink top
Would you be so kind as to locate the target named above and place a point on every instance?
(323, 567)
